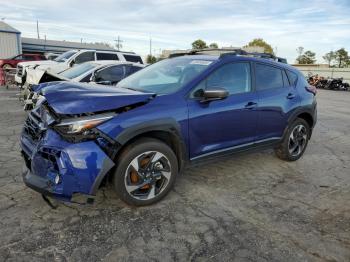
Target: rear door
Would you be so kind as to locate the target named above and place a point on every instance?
(276, 97)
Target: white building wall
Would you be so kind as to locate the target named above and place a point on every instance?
(9, 44)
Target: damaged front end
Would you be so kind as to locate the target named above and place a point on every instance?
(62, 168)
(66, 155)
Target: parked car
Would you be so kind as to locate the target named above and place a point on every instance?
(100, 72)
(71, 58)
(13, 61)
(51, 56)
(177, 111)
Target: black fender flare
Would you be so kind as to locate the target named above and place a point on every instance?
(310, 110)
(169, 125)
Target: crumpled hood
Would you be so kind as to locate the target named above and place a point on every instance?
(38, 75)
(37, 88)
(79, 98)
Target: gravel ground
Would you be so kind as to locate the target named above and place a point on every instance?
(252, 207)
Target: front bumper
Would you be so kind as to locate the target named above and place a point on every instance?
(61, 169)
(18, 79)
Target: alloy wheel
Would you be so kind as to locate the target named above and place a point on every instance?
(7, 66)
(297, 140)
(147, 175)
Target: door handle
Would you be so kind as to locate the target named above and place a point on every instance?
(250, 105)
(290, 96)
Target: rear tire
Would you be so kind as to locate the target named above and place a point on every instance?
(146, 172)
(295, 141)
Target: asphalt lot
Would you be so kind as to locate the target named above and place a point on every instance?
(252, 207)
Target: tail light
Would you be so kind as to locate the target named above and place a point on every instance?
(311, 89)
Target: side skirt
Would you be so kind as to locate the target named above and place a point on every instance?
(240, 149)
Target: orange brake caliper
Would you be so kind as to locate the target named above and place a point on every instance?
(135, 178)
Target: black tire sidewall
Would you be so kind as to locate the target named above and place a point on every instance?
(129, 153)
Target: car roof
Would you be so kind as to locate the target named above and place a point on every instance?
(238, 58)
(114, 62)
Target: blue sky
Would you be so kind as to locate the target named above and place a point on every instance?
(320, 26)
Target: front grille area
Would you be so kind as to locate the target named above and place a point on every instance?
(34, 125)
(19, 70)
(32, 128)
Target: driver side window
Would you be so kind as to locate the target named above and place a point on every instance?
(234, 77)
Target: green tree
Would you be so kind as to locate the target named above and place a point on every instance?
(307, 57)
(151, 59)
(199, 44)
(260, 42)
(329, 57)
(342, 57)
(213, 45)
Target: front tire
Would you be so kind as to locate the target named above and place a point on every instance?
(146, 172)
(6, 66)
(295, 141)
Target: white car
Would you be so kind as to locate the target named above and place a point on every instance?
(106, 71)
(71, 58)
(99, 72)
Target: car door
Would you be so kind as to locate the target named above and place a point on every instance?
(276, 96)
(223, 124)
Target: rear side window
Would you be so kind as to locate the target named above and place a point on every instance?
(113, 74)
(234, 77)
(133, 58)
(85, 57)
(133, 69)
(293, 78)
(106, 56)
(28, 57)
(268, 77)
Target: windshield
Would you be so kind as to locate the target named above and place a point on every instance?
(78, 70)
(65, 56)
(165, 77)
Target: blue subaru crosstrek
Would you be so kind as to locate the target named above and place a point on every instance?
(142, 133)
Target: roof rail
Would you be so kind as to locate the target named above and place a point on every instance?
(204, 50)
(258, 55)
(230, 52)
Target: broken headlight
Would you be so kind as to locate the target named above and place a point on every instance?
(81, 128)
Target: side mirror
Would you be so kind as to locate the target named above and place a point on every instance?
(212, 94)
(71, 64)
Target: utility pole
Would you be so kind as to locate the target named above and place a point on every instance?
(150, 46)
(37, 28)
(119, 43)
